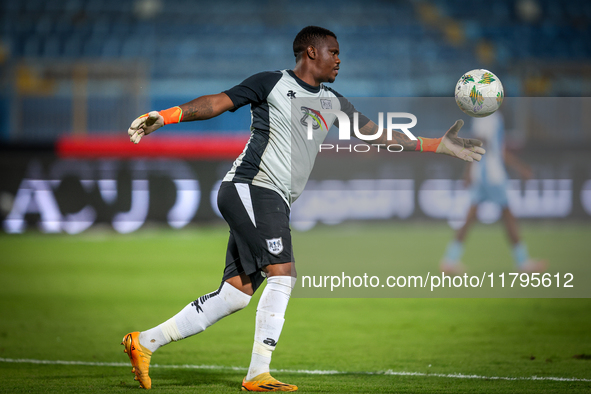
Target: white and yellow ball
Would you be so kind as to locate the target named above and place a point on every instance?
(479, 93)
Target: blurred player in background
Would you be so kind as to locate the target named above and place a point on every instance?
(256, 195)
(488, 182)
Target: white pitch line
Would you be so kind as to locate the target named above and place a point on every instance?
(298, 371)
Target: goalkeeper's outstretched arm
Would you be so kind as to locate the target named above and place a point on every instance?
(467, 149)
(204, 107)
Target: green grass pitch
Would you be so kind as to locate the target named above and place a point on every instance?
(72, 298)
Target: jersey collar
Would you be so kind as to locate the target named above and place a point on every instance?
(304, 85)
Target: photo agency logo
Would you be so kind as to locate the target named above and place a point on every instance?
(316, 120)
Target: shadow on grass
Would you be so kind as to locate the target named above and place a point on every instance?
(178, 380)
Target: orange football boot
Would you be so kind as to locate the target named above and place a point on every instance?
(265, 382)
(139, 357)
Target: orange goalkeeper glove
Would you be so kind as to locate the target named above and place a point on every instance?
(152, 121)
(467, 149)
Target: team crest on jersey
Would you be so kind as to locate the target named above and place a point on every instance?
(326, 103)
(275, 245)
(316, 117)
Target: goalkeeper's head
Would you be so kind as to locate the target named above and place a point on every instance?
(319, 46)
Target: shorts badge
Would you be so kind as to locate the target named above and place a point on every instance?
(275, 245)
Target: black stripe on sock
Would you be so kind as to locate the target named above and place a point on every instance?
(206, 297)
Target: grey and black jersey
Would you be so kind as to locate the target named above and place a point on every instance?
(278, 155)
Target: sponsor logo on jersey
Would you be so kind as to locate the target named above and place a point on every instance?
(315, 115)
(291, 94)
(275, 245)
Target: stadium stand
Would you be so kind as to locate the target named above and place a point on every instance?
(389, 48)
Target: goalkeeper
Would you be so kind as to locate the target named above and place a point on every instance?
(256, 195)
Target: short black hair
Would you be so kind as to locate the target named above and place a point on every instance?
(310, 35)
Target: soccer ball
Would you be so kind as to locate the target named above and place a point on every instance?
(479, 93)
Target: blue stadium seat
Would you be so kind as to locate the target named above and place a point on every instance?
(51, 47)
(192, 41)
(73, 47)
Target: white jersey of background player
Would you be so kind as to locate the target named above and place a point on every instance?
(488, 182)
(491, 169)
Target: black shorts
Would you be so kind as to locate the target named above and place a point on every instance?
(259, 230)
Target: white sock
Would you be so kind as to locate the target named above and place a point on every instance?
(269, 322)
(196, 317)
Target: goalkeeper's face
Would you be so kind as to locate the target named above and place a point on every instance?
(328, 59)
